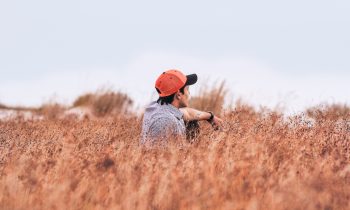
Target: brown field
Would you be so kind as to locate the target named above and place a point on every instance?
(261, 160)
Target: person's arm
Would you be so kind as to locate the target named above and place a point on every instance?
(191, 114)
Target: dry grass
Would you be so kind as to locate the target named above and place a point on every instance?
(51, 110)
(105, 102)
(332, 112)
(260, 162)
(210, 98)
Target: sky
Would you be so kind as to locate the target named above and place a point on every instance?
(290, 54)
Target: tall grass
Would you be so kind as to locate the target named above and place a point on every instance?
(262, 160)
(102, 103)
(51, 110)
(210, 98)
(331, 112)
(105, 102)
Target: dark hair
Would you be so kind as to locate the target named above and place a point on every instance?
(168, 99)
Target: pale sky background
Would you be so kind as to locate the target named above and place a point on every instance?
(292, 54)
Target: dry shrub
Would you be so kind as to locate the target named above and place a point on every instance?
(259, 162)
(51, 110)
(105, 102)
(331, 112)
(84, 100)
(111, 103)
(210, 98)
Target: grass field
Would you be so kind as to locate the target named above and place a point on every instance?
(261, 160)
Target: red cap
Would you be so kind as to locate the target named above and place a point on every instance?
(173, 80)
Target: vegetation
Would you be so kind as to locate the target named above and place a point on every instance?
(105, 102)
(260, 160)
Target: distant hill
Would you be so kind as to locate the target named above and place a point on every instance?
(17, 108)
(3, 106)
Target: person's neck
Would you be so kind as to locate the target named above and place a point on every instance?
(176, 104)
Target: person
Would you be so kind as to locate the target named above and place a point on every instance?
(165, 118)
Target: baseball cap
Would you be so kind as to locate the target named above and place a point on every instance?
(171, 81)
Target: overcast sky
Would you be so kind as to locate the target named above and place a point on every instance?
(292, 54)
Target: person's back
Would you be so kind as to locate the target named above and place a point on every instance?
(161, 123)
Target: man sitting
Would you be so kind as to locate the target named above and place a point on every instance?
(165, 118)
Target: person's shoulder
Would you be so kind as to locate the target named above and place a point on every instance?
(160, 110)
(151, 106)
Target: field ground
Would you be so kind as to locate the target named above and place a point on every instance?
(261, 160)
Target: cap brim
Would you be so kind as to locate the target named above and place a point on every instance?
(191, 79)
